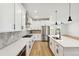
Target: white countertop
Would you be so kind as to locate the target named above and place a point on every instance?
(15, 48)
(66, 41)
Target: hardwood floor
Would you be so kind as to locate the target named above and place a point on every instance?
(41, 49)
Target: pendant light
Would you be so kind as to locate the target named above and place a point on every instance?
(69, 19)
(56, 23)
(56, 18)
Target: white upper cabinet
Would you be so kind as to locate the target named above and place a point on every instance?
(12, 17)
(23, 19)
(17, 19)
(6, 17)
(20, 18)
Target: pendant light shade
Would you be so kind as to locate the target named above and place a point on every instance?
(56, 18)
(56, 23)
(69, 19)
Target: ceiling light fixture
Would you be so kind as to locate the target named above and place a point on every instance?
(56, 23)
(56, 18)
(69, 19)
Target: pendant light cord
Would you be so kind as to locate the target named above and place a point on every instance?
(69, 9)
(56, 15)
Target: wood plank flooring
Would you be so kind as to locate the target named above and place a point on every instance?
(41, 49)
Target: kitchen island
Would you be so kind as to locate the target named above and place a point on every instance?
(64, 46)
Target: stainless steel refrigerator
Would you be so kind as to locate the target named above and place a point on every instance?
(45, 32)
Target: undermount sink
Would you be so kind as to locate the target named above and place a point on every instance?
(27, 36)
(57, 38)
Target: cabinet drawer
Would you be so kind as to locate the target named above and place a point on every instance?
(58, 50)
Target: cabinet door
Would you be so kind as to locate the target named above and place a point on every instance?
(50, 43)
(27, 49)
(53, 46)
(6, 17)
(17, 17)
(58, 50)
(23, 20)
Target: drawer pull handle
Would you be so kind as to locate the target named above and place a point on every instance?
(57, 51)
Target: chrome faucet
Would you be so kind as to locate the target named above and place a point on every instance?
(58, 32)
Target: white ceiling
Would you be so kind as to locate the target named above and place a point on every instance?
(41, 10)
(45, 9)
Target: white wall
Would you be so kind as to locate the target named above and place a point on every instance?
(64, 29)
(48, 9)
(38, 24)
(73, 27)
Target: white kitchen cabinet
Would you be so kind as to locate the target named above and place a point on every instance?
(52, 45)
(12, 17)
(29, 46)
(6, 17)
(20, 18)
(65, 46)
(37, 37)
(58, 50)
(17, 17)
(23, 19)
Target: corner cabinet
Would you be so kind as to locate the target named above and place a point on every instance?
(12, 17)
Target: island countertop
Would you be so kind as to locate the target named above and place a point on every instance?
(66, 41)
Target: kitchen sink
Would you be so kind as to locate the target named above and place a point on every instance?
(27, 36)
(55, 37)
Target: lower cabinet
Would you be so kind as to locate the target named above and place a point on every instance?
(58, 50)
(22, 52)
(29, 47)
(52, 45)
(37, 37)
(55, 48)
